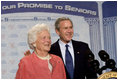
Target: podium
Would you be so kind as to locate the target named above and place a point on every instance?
(108, 75)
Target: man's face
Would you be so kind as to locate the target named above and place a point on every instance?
(65, 31)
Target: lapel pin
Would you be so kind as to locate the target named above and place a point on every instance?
(78, 52)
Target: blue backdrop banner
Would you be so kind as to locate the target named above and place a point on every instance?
(87, 9)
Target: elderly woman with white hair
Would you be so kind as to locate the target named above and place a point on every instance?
(40, 64)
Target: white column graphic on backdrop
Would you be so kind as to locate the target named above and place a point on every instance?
(95, 38)
(110, 36)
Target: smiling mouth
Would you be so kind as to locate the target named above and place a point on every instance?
(47, 45)
(69, 35)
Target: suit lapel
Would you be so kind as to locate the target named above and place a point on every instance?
(76, 55)
(75, 48)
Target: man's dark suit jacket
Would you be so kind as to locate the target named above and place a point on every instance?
(81, 69)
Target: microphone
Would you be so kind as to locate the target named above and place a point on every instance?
(103, 55)
(94, 64)
(109, 63)
(90, 56)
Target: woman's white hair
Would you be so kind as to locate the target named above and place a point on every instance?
(32, 33)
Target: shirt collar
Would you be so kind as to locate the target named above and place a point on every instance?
(63, 44)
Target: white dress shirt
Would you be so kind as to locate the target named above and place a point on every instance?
(63, 50)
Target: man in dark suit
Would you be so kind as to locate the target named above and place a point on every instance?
(80, 68)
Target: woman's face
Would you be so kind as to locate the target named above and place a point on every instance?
(43, 42)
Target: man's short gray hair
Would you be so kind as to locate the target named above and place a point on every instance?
(32, 33)
(61, 19)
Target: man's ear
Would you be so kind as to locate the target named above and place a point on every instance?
(57, 31)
